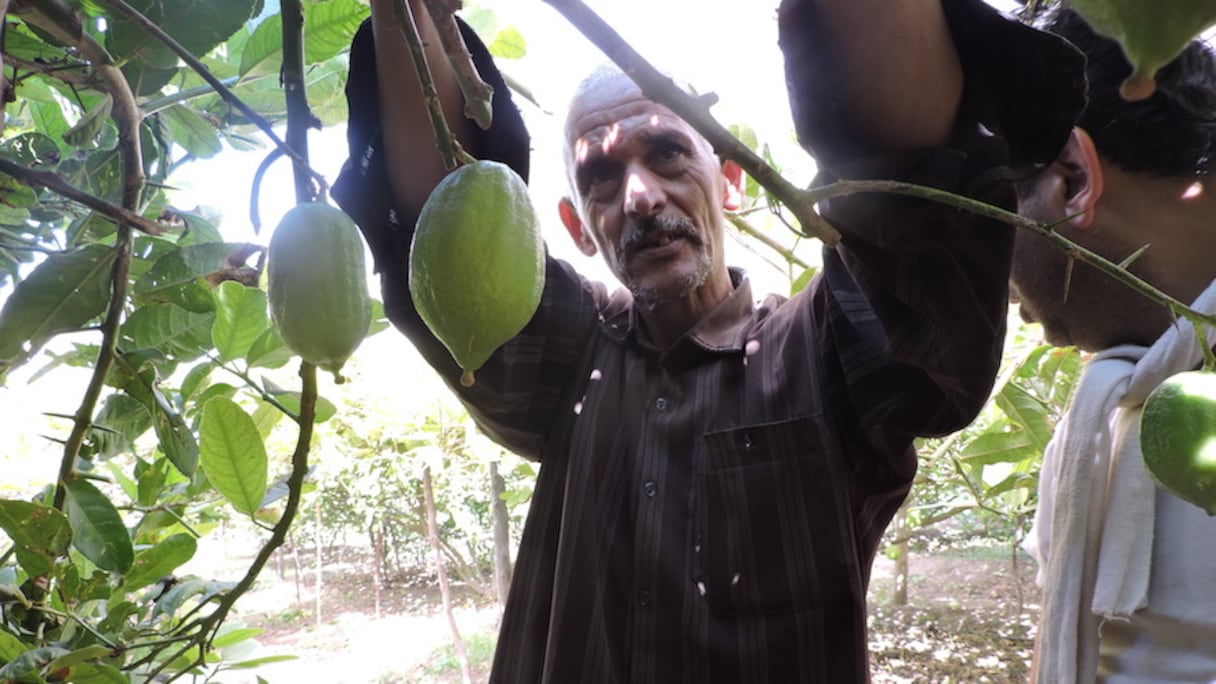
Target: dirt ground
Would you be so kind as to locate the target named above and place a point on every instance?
(969, 619)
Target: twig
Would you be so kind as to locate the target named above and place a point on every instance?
(751, 231)
(695, 111)
(105, 358)
(201, 69)
(62, 21)
(45, 179)
(299, 117)
(1046, 231)
(266, 396)
(449, 149)
(209, 625)
(478, 94)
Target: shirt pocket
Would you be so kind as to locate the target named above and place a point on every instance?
(773, 530)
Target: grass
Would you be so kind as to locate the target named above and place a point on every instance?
(479, 646)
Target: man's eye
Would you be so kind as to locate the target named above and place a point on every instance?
(668, 154)
(598, 175)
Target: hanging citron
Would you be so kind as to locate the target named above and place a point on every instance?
(316, 282)
(1178, 437)
(1152, 33)
(477, 262)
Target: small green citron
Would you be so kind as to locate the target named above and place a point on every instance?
(477, 261)
(1152, 33)
(317, 285)
(1178, 437)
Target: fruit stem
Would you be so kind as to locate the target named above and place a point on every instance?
(449, 149)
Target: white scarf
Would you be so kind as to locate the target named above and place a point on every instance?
(1093, 531)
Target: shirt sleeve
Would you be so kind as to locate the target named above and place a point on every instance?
(914, 299)
(517, 392)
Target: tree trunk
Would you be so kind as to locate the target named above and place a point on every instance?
(900, 530)
(432, 533)
(377, 535)
(502, 535)
(299, 571)
(317, 559)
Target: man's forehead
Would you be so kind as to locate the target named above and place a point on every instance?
(594, 114)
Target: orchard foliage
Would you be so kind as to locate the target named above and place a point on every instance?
(182, 426)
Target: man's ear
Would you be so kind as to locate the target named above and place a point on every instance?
(732, 199)
(574, 226)
(1083, 175)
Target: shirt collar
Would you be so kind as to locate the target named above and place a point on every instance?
(723, 329)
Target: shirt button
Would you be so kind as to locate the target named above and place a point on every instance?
(644, 598)
(650, 488)
(661, 404)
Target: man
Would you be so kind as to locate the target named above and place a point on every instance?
(1128, 570)
(715, 474)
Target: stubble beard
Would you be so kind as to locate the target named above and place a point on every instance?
(647, 297)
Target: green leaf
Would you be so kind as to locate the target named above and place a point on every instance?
(268, 351)
(258, 662)
(329, 27)
(193, 132)
(121, 420)
(240, 318)
(91, 124)
(155, 562)
(176, 438)
(198, 25)
(509, 44)
(1000, 447)
(328, 30)
(197, 379)
(97, 673)
(27, 667)
(63, 293)
(80, 655)
(235, 636)
(263, 52)
(179, 276)
(10, 647)
(182, 334)
(1027, 412)
(291, 400)
(233, 455)
(40, 534)
(97, 529)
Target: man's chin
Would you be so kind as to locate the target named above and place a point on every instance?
(1053, 333)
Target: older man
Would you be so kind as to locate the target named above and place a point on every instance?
(716, 473)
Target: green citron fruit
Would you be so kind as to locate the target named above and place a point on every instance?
(477, 262)
(1178, 437)
(317, 285)
(1152, 33)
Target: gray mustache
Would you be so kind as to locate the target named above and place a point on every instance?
(647, 230)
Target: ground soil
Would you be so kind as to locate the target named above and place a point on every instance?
(969, 619)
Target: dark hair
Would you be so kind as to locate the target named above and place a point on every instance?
(1170, 134)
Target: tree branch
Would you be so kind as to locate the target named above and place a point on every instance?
(45, 179)
(105, 358)
(449, 149)
(61, 20)
(478, 94)
(1046, 231)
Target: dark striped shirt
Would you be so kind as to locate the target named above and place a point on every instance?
(710, 513)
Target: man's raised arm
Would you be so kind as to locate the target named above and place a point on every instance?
(885, 72)
(410, 156)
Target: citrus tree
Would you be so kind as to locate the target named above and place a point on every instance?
(104, 100)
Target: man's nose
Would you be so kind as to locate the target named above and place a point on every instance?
(644, 195)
